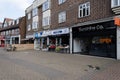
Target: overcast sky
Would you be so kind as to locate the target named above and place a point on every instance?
(13, 8)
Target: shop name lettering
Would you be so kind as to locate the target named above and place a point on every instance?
(92, 28)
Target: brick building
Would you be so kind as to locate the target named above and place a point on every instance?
(90, 23)
(81, 26)
(13, 31)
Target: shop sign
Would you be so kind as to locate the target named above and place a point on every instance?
(91, 28)
(60, 31)
(46, 33)
(38, 35)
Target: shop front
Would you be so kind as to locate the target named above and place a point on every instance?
(59, 40)
(95, 39)
(41, 40)
(2, 41)
(15, 39)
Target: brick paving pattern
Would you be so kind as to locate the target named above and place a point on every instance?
(38, 65)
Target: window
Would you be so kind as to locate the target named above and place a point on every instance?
(13, 31)
(16, 31)
(84, 10)
(5, 24)
(29, 16)
(6, 32)
(29, 27)
(0, 25)
(10, 22)
(46, 21)
(13, 22)
(34, 25)
(46, 5)
(35, 12)
(62, 17)
(115, 3)
(61, 1)
(17, 21)
(9, 32)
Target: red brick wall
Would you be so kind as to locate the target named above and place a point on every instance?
(98, 9)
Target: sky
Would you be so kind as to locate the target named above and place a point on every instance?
(13, 8)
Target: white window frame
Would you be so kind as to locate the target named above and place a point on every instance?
(10, 23)
(35, 12)
(46, 5)
(17, 21)
(35, 25)
(13, 22)
(29, 27)
(29, 16)
(113, 3)
(62, 17)
(82, 7)
(46, 21)
(13, 31)
(0, 25)
(5, 24)
(61, 1)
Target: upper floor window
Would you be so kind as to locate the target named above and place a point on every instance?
(7, 32)
(5, 24)
(10, 22)
(13, 31)
(46, 5)
(16, 31)
(115, 3)
(62, 17)
(3, 33)
(0, 25)
(61, 1)
(29, 27)
(46, 21)
(29, 16)
(13, 22)
(34, 25)
(35, 12)
(17, 21)
(84, 10)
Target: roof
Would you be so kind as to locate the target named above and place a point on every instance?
(9, 19)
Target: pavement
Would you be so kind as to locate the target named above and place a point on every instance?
(38, 65)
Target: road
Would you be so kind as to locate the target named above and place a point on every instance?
(38, 65)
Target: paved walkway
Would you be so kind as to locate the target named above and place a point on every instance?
(37, 65)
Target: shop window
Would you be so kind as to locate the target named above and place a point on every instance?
(84, 10)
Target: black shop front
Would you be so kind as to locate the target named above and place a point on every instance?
(95, 39)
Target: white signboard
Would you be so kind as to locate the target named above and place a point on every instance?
(60, 31)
